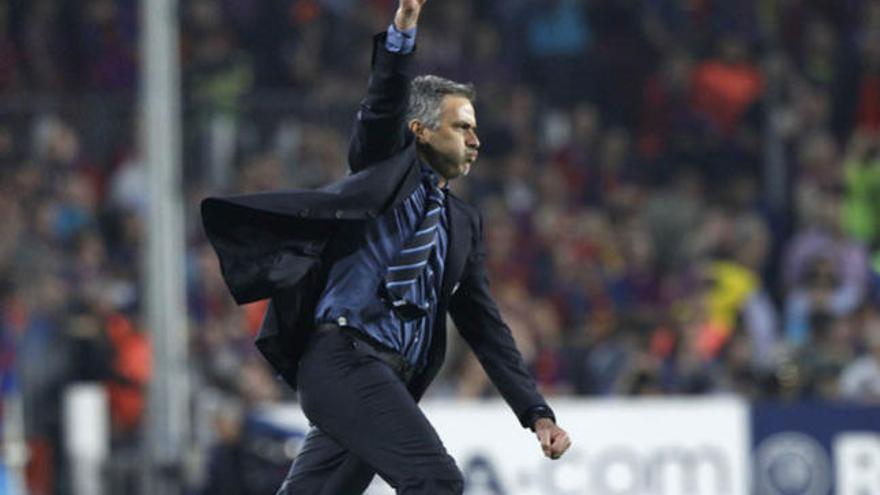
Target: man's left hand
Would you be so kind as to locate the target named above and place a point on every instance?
(554, 440)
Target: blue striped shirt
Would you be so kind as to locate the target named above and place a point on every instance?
(351, 297)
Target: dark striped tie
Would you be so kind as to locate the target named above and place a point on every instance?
(409, 263)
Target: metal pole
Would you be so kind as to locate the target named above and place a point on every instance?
(168, 416)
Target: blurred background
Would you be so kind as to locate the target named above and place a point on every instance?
(682, 198)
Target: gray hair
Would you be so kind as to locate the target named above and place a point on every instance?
(426, 98)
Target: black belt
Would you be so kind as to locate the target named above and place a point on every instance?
(401, 367)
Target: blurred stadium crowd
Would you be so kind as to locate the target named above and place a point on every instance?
(681, 196)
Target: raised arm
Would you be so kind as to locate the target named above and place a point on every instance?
(380, 128)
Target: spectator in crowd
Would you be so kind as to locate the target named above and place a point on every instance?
(860, 379)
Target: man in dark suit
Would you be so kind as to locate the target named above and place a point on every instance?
(361, 274)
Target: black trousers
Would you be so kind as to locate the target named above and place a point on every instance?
(364, 422)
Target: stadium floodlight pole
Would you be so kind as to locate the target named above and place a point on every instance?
(168, 407)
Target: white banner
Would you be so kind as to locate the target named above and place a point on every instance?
(648, 447)
(620, 447)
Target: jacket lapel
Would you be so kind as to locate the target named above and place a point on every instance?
(459, 240)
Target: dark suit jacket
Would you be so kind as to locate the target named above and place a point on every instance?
(273, 245)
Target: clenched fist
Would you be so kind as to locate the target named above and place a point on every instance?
(554, 440)
(407, 16)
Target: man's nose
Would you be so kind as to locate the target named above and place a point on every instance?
(473, 141)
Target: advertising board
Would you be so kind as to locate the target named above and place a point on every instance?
(632, 447)
(816, 449)
(620, 447)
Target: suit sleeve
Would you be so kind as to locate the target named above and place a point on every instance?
(380, 128)
(479, 321)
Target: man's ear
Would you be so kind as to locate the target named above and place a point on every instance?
(419, 130)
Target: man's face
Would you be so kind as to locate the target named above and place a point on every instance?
(452, 147)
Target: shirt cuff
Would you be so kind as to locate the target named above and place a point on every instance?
(535, 413)
(401, 42)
